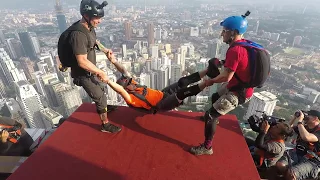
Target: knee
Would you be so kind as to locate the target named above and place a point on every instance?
(102, 111)
(281, 167)
(211, 115)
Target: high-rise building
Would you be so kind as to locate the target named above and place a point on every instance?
(148, 65)
(11, 49)
(30, 44)
(124, 50)
(165, 34)
(47, 58)
(154, 80)
(2, 38)
(112, 95)
(127, 30)
(27, 66)
(175, 73)
(261, 101)
(61, 18)
(168, 48)
(3, 92)
(296, 40)
(158, 34)
(68, 97)
(37, 76)
(145, 79)
(183, 52)
(15, 48)
(50, 117)
(43, 67)
(213, 48)
(194, 31)
(15, 111)
(8, 68)
(257, 27)
(154, 51)
(163, 77)
(30, 103)
(150, 33)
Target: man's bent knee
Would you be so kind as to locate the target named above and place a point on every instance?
(102, 111)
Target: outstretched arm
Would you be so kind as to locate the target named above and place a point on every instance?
(120, 90)
(119, 66)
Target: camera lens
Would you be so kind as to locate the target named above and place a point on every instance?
(297, 114)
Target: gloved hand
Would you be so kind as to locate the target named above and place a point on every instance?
(213, 70)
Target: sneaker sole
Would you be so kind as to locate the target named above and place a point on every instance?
(109, 131)
(208, 153)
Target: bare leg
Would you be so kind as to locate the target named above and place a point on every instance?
(104, 118)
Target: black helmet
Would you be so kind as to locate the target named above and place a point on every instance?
(92, 8)
(124, 81)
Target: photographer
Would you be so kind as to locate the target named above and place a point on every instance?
(14, 140)
(269, 145)
(304, 164)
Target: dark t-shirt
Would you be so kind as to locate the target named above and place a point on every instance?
(302, 146)
(80, 45)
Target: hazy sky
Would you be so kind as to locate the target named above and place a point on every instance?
(15, 4)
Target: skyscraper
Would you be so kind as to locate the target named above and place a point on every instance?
(261, 101)
(124, 50)
(183, 52)
(175, 73)
(154, 51)
(213, 48)
(30, 44)
(127, 30)
(15, 48)
(158, 34)
(68, 97)
(61, 18)
(257, 27)
(27, 66)
(112, 95)
(30, 103)
(8, 68)
(2, 38)
(150, 33)
(163, 77)
(145, 79)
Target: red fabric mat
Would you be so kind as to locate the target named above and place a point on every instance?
(149, 147)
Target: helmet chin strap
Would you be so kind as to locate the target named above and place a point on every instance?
(88, 22)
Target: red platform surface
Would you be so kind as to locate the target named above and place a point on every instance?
(149, 147)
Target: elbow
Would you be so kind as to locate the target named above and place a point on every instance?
(304, 138)
(81, 64)
(227, 78)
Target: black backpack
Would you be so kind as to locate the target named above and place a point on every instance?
(259, 62)
(65, 52)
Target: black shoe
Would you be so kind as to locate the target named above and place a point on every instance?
(111, 108)
(201, 150)
(213, 70)
(110, 128)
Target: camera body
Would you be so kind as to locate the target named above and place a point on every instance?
(298, 113)
(256, 121)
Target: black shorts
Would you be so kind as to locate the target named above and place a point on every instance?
(95, 90)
